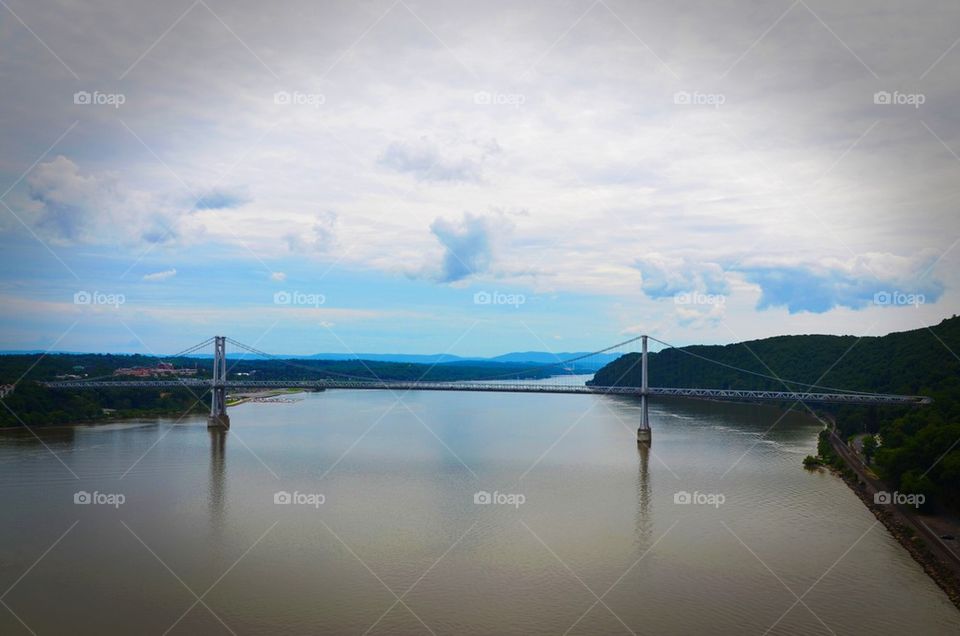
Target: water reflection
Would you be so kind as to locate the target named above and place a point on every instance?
(218, 462)
(401, 499)
(644, 521)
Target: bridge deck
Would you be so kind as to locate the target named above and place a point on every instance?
(507, 387)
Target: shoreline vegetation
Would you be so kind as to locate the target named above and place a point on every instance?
(111, 415)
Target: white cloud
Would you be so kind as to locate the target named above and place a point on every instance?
(160, 276)
(700, 316)
(665, 276)
(69, 206)
(319, 237)
(425, 160)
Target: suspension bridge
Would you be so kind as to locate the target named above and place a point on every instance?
(561, 373)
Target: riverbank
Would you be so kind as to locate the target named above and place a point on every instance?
(261, 396)
(197, 406)
(938, 559)
(110, 415)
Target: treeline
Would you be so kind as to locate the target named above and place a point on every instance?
(919, 447)
(35, 405)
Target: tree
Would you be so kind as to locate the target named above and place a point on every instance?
(914, 483)
(869, 447)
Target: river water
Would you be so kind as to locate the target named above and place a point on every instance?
(586, 534)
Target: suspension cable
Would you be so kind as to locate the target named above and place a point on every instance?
(192, 349)
(547, 365)
(526, 368)
(287, 362)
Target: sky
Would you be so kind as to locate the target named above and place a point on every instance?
(413, 176)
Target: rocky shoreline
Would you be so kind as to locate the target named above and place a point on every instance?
(945, 574)
(942, 574)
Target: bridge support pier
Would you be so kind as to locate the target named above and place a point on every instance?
(219, 421)
(218, 386)
(644, 434)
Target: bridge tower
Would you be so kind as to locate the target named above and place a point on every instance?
(218, 386)
(644, 434)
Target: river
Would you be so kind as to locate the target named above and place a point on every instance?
(585, 533)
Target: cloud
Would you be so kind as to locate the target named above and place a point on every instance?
(65, 196)
(68, 206)
(221, 199)
(665, 276)
(424, 160)
(797, 285)
(832, 283)
(700, 316)
(160, 276)
(320, 237)
(467, 247)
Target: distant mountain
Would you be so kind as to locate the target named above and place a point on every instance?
(33, 352)
(411, 358)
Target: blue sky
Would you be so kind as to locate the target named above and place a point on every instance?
(591, 170)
